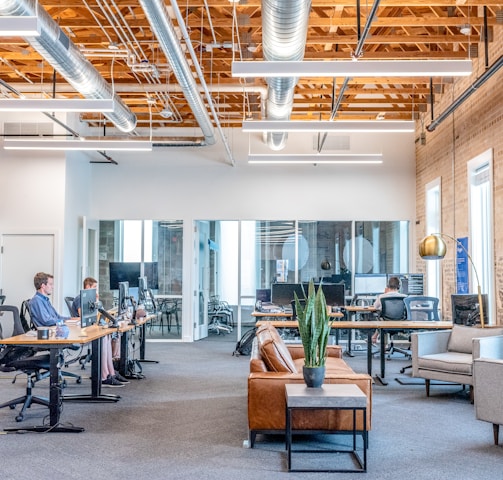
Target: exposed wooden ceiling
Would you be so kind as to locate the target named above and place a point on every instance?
(143, 78)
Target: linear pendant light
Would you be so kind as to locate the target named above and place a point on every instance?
(19, 26)
(351, 68)
(56, 105)
(318, 158)
(328, 126)
(80, 145)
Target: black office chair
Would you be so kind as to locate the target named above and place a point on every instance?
(393, 308)
(2, 299)
(35, 366)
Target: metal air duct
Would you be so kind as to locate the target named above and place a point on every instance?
(66, 58)
(161, 25)
(284, 33)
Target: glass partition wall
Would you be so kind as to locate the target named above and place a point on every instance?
(151, 249)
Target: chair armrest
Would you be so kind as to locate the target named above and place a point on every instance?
(430, 342)
(488, 347)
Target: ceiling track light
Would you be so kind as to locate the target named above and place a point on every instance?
(316, 158)
(80, 144)
(351, 68)
(56, 105)
(329, 126)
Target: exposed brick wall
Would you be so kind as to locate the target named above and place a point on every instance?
(473, 128)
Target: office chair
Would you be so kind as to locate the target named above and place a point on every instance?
(420, 308)
(2, 299)
(393, 308)
(25, 307)
(35, 366)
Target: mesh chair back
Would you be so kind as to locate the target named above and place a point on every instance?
(10, 323)
(393, 308)
(69, 304)
(420, 307)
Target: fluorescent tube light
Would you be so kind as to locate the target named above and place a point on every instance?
(328, 126)
(351, 68)
(320, 158)
(80, 145)
(56, 105)
(19, 26)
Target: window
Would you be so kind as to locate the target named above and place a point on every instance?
(433, 208)
(481, 213)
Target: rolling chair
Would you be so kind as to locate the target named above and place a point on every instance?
(393, 308)
(25, 308)
(35, 367)
(420, 308)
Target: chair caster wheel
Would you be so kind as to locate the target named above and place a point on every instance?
(63, 383)
(12, 407)
(79, 380)
(19, 418)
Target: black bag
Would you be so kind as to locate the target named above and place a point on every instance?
(244, 345)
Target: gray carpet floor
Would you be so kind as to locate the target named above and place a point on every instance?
(187, 420)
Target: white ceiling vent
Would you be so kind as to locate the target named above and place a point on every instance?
(333, 142)
(28, 129)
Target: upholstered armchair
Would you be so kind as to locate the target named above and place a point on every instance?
(448, 355)
(488, 386)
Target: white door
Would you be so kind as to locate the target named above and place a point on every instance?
(201, 275)
(22, 256)
(90, 247)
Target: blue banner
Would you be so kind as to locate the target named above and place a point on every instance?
(462, 266)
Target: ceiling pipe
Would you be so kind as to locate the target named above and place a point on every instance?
(467, 93)
(284, 36)
(65, 57)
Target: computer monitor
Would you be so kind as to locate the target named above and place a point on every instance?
(124, 299)
(88, 308)
(263, 294)
(142, 290)
(334, 294)
(131, 271)
(370, 283)
(465, 308)
(410, 283)
(283, 293)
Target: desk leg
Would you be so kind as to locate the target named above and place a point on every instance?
(142, 345)
(96, 395)
(382, 356)
(54, 402)
(369, 351)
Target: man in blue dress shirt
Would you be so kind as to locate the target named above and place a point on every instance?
(42, 313)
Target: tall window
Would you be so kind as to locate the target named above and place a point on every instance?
(481, 213)
(433, 225)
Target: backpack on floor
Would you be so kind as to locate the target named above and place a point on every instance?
(244, 345)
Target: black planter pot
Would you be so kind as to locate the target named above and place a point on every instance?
(313, 376)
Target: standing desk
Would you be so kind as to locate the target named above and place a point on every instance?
(93, 335)
(370, 326)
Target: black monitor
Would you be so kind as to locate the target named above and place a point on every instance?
(124, 299)
(142, 290)
(334, 294)
(88, 307)
(283, 293)
(131, 271)
(263, 294)
(465, 308)
(370, 283)
(410, 283)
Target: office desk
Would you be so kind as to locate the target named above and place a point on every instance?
(285, 315)
(370, 326)
(357, 310)
(93, 335)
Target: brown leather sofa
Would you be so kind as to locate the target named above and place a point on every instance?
(274, 364)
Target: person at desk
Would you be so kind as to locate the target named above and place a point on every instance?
(109, 377)
(392, 290)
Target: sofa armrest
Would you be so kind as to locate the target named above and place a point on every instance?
(488, 389)
(429, 342)
(488, 347)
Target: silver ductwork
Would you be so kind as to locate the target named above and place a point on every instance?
(66, 58)
(284, 33)
(155, 11)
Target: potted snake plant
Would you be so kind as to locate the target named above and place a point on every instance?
(314, 328)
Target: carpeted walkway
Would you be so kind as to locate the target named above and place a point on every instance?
(187, 420)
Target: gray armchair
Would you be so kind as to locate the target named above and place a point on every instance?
(488, 386)
(448, 355)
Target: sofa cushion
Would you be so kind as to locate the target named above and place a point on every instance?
(461, 337)
(273, 350)
(448, 362)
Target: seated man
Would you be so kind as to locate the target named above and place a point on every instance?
(109, 377)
